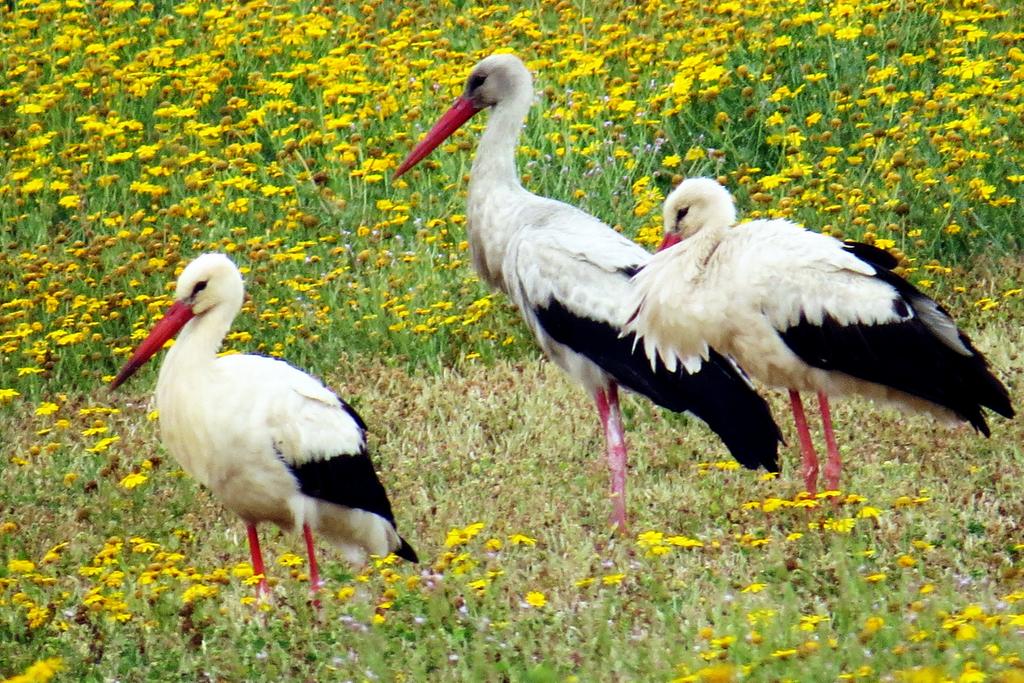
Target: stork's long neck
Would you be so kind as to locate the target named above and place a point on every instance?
(198, 342)
(495, 193)
(495, 161)
(704, 243)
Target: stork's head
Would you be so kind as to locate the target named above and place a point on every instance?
(696, 204)
(209, 281)
(209, 285)
(494, 81)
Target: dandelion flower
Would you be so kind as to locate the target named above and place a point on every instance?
(536, 599)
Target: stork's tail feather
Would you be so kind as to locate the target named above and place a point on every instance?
(717, 392)
(719, 395)
(406, 552)
(725, 400)
(977, 387)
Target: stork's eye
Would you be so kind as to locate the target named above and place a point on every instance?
(475, 81)
(200, 286)
(682, 214)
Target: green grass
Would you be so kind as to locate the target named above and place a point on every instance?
(516, 448)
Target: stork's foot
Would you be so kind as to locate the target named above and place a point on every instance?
(832, 471)
(810, 458)
(618, 518)
(833, 464)
(810, 472)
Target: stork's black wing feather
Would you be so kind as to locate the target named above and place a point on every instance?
(717, 393)
(907, 354)
(349, 479)
(871, 254)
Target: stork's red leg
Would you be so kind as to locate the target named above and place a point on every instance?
(615, 442)
(833, 466)
(810, 467)
(257, 559)
(314, 569)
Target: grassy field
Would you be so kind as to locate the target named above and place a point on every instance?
(497, 478)
(134, 135)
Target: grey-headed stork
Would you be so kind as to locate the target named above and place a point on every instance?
(805, 312)
(569, 274)
(271, 442)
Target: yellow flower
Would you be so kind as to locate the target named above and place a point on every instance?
(695, 154)
(32, 186)
(119, 157)
(966, 632)
(971, 674)
(839, 526)
(612, 579)
(197, 592)
(7, 394)
(520, 539)
(536, 599)
(290, 560)
(132, 480)
(872, 625)
(20, 566)
(718, 673)
(754, 588)
(53, 554)
(712, 73)
(928, 674)
(40, 672)
(809, 621)
(649, 538)
(47, 408)
(457, 537)
(847, 33)
(103, 444)
(141, 545)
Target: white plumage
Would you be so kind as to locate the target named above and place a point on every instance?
(806, 312)
(569, 275)
(271, 442)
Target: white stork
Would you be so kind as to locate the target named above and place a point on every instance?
(271, 442)
(569, 274)
(806, 312)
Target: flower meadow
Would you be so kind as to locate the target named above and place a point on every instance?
(135, 135)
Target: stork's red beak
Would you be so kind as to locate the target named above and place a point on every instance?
(460, 112)
(174, 319)
(670, 239)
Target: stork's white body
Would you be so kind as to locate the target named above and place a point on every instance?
(272, 443)
(235, 424)
(738, 289)
(537, 250)
(805, 312)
